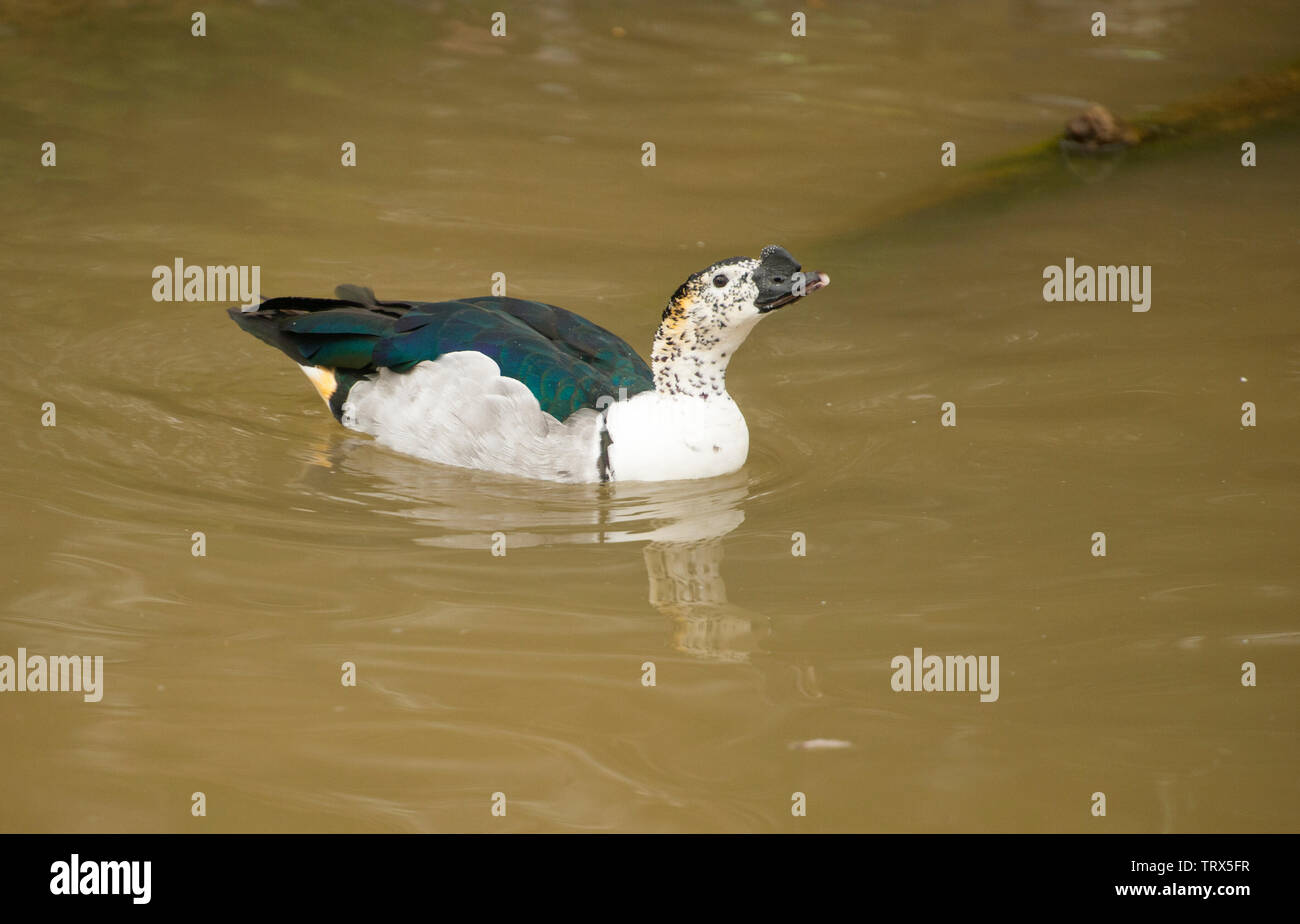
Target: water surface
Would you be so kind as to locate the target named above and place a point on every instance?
(522, 674)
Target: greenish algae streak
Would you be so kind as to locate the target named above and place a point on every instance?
(1252, 103)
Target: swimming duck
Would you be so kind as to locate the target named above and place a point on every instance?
(525, 388)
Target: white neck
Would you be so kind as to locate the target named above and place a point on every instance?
(689, 361)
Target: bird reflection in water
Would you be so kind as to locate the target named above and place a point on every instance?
(682, 525)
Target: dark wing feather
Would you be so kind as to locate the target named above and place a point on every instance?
(566, 361)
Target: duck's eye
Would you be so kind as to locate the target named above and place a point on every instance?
(720, 280)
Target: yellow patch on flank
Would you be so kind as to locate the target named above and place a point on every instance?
(323, 379)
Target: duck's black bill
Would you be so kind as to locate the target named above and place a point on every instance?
(781, 280)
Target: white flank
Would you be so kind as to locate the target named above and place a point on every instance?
(460, 410)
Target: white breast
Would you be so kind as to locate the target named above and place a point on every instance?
(669, 437)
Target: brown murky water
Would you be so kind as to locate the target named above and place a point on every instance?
(522, 674)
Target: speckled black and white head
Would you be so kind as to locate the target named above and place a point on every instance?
(714, 310)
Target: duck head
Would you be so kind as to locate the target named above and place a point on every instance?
(713, 311)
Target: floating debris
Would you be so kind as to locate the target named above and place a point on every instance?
(1095, 141)
(1096, 129)
(820, 744)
